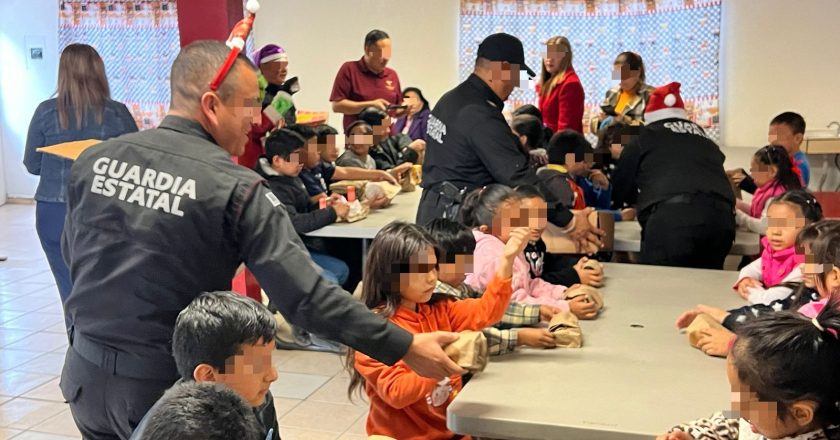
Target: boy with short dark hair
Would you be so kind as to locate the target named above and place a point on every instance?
(787, 130)
(457, 245)
(286, 150)
(570, 156)
(395, 153)
(227, 339)
(201, 411)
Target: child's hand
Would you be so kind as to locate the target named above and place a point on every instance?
(718, 314)
(593, 277)
(547, 312)
(715, 342)
(342, 210)
(581, 307)
(628, 214)
(381, 201)
(685, 319)
(745, 284)
(400, 169)
(599, 179)
(676, 435)
(535, 337)
(513, 248)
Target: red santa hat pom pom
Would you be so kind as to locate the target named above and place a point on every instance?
(665, 103)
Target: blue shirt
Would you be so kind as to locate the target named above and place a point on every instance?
(317, 180)
(44, 130)
(801, 162)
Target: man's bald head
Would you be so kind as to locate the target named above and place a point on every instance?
(194, 69)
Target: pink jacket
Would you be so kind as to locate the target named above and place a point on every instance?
(763, 195)
(488, 252)
(774, 267)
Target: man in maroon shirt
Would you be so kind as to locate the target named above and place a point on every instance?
(367, 82)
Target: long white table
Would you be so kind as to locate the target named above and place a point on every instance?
(634, 377)
(628, 235)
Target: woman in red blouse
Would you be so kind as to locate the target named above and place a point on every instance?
(561, 94)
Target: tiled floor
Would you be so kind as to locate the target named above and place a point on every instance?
(32, 346)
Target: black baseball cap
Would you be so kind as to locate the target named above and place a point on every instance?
(504, 47)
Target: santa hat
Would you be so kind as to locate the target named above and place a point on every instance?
(269, 53)
(664, 103)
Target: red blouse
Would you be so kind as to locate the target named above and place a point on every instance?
(562, 109)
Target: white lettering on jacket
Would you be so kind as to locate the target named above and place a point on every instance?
(436, 129)
(148, 188)
(685, 127)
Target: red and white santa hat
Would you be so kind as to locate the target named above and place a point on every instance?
(664, 103)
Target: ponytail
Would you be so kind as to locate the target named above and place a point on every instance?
(480, 205)
(775, 155)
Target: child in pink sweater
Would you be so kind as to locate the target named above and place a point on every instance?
(493, 212)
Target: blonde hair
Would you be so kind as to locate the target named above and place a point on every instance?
(548, 80)
(82, 85)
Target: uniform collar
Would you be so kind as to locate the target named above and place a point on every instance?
(486, 91)
(186, 126)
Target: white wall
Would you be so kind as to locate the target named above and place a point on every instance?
(22, 87)
(320, 35)
(777, 55)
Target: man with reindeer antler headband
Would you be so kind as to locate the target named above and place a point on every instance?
(156, 218)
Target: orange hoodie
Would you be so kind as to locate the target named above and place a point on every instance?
(406, 406)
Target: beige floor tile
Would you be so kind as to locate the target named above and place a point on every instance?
(41, 342)
(297, 386)
(48, 391)
(311, 362)
(359, 427)
(12, 358)
(335, 391)
(32, 435)
(7, 433)
(24, 413)
(311, 414)
(14, 383)
(27, 304)
(10, 336)
(306, 434)
(61, 424)
(283, 405)
(50, 363)
(35, 321)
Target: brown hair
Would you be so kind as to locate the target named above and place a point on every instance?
(196, 66)
(547, 80)
(388, 257)
(82, 85)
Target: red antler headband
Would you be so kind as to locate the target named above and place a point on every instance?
(236, 42)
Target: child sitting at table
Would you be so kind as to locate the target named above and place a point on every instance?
(782, 371)
(812, 241)
(285, 150)
(773, 174)
(456, 245)
(319, 172)
(556, 269)
(357, 147)
(493, 212)
(399, 280)
(396, 151)
(531, 131)
(787, 215)
(788, 130)
(227, 339)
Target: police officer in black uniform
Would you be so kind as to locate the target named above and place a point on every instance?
(158, 217)
(674, 176)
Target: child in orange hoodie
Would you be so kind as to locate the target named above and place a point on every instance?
(399, 280)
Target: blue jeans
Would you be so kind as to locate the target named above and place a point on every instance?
(49, 223)
(334, 269)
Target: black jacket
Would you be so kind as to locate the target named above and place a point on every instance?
(305, 214)
(469, 143)
(156, 218)
(798, 298)
(266, 415)
(552, 268)
(393, 151)
(668, 158)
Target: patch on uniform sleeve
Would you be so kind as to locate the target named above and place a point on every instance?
(275, 202)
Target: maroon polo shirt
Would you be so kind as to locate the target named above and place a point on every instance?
(354, 81)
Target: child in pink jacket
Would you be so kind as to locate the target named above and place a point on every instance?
(493, 212)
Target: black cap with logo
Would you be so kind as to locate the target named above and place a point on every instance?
(504, 47)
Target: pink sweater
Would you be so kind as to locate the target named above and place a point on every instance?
(488, 252)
